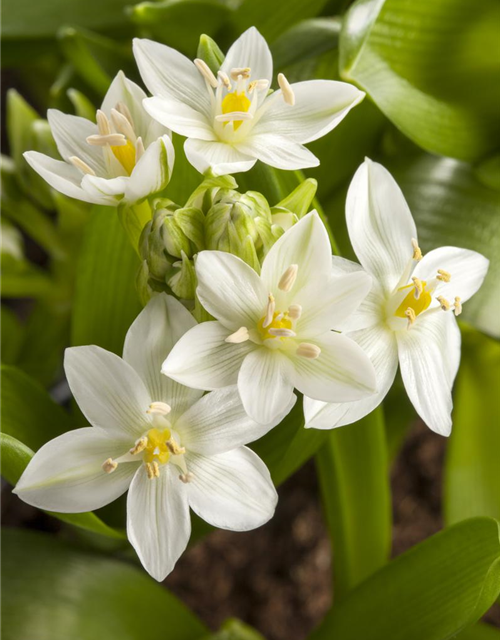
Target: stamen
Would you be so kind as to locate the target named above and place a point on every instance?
(282, 333)
(113, 139)
(271, 305)
(294, 311)
(286, 90)
(149, 470)
(411, 315)
(458, 306)
(139, 149)
(174, 448)
(102, 123)
(279, 317)
(109, 465)
(125, 111)
(140, 445)
(186, 477)
(206, 72)
(445, 305)
(287, 280)
(234, 115)
(443, 275)
(238, 336)
(156, 469)
(83, 166)
(122, 125)
(258, 85)
(224, 78)
(161, 408)
(307, 350)
(419, 287)
(236, 72)
(417, 253)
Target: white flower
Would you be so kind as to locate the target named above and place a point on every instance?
(125, 156)
(410, 313)
(169, 446)
(230, 120)
(273, 331)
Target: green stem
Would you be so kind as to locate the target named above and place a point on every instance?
(134, 220)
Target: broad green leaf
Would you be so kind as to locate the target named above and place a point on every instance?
(353, 472)
(305, 39)
(433, 591)
(82, 105)
(56, 591)
(430, 67)
(12, 335)
(105, 301)
(185, 178)
(480, 631)
(472, 484)
(27, 281)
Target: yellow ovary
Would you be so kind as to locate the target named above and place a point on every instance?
(410, 302)
(283, 323)
(157, 448)
(236, 102)
(125, 154)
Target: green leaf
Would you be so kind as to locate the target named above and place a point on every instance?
(185, 178)
(480, 631)
(57, 591)
(353, 472)
(26, 282)
(105, 301)
(429, 66)
(12, 335)
(471, 470)
(304, 40)
(234, 629)
(433, 591)
(83, 106)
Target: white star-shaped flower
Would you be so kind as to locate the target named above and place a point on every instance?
(410, 314)
(169, 445)
(125, 157)
(273, 332)
(230, 120)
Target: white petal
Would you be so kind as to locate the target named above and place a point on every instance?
(429, 354)
(158, 523)
(320, 105)
(265, 385)
(110, 190)
(180, 118)
(108, 391)
(63, 177)
(250, 50)
(219, 157)
(149, 340)
(277, 151)
(169, 74)
(66, 474)
(232, 490)
(342, 373)
(218, 422)
(127, 92)
(202, 360)
(380, 346)
(152, 173)
(230, 289)
(467, 269)
(380, 225)
(71, 133)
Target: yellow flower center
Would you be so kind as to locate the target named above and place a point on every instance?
(156, 448)
(279, 321)
(236, 102)
(410, 302)
(125, 154)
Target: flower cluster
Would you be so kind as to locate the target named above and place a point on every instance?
(171, 419)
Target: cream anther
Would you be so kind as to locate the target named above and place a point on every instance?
(109, 465)
(161, 408)
(153, 469)
(417, 253)
(234, 115)
(224, 78)
(83, 166)
(236, 72)
(258, 85)
(294, 311)
(282, 333)
(102, 123)
(174, 448)
(125, 111)
(288, 278)
(286, 90)
(186, 477)
(445, 305)
(139, 149)
(458, 306)
(443, 275)
(113, 139)
(140, 445)
(122, 125)
(271, 305)
(419, 287)
(206, 72)
(411, 315)
(238, 336)
(307, 350)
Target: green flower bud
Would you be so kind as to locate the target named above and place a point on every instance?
(183, 281)
(299, 200)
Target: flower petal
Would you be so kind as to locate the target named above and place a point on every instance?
(265, 385)
(380, 225)
(108, 391)
(169, 74)
(230, 289)
(110, 190)
(218, 422)
(380, 346)
(250, 50)
(148, 342)
(202, 360)
(152, 173)
(277, 151)
(342, 373)
(320, 105)
(219, 157)
(467, 269)
(180, 118)
(232, 490)
(158, 522)
(66, 474)
(429, 355)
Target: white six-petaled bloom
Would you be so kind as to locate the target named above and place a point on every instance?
(125, 157)
(410, 314)
(169, 446)
(273, 332)
(230, 120)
